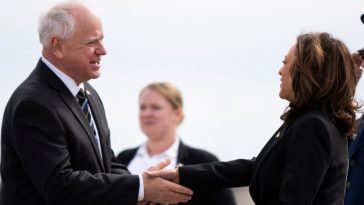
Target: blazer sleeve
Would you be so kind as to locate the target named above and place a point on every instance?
(307, 161)
(224, 196)
(197, 156)
(40, 143)
(216, 175)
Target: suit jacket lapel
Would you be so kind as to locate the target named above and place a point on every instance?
(75, 108)
(70, 101)
(358, 143)
(96, 114)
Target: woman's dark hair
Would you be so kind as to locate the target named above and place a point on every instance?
(323, 75)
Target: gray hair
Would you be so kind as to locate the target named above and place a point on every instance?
(57, 22)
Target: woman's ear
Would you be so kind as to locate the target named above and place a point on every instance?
(180, 115)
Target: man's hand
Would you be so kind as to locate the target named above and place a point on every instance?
(163, 191)
(146, 203)
(157, 189)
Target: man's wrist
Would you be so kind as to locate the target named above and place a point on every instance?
(141, 188)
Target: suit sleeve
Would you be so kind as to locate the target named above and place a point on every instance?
(308, 159)
(118, 167)
(216, 175)
(125, 156)
(41, 145)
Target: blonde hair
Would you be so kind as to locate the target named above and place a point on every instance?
(170, 92)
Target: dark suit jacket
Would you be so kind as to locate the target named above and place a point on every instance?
(187, 156)
(355, 181)
(303, 163)
(48, 154)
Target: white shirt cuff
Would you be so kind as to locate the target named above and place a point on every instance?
(141, 188)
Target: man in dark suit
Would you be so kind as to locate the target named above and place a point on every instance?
(355, 180)
(55, 144)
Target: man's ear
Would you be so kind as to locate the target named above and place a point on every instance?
(57, 47)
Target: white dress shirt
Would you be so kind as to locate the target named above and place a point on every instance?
(142, 161)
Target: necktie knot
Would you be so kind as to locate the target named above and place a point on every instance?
(81, 92)
(82, 100)
(81, 96)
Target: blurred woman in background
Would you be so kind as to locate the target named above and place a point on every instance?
(160, 114)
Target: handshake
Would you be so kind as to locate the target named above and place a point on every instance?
(162, 186)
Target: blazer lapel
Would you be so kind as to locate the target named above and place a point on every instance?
(269, 147)
(183, 155)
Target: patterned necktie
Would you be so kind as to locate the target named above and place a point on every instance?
(82, 100)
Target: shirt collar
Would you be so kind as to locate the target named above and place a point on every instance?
(171, 152)
(68, 81)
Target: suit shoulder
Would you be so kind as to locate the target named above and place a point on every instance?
(199, 155)
(34, 88)
(126, 155)
(315, 126)
(315, 118)
(30, 96)
(314, 114)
